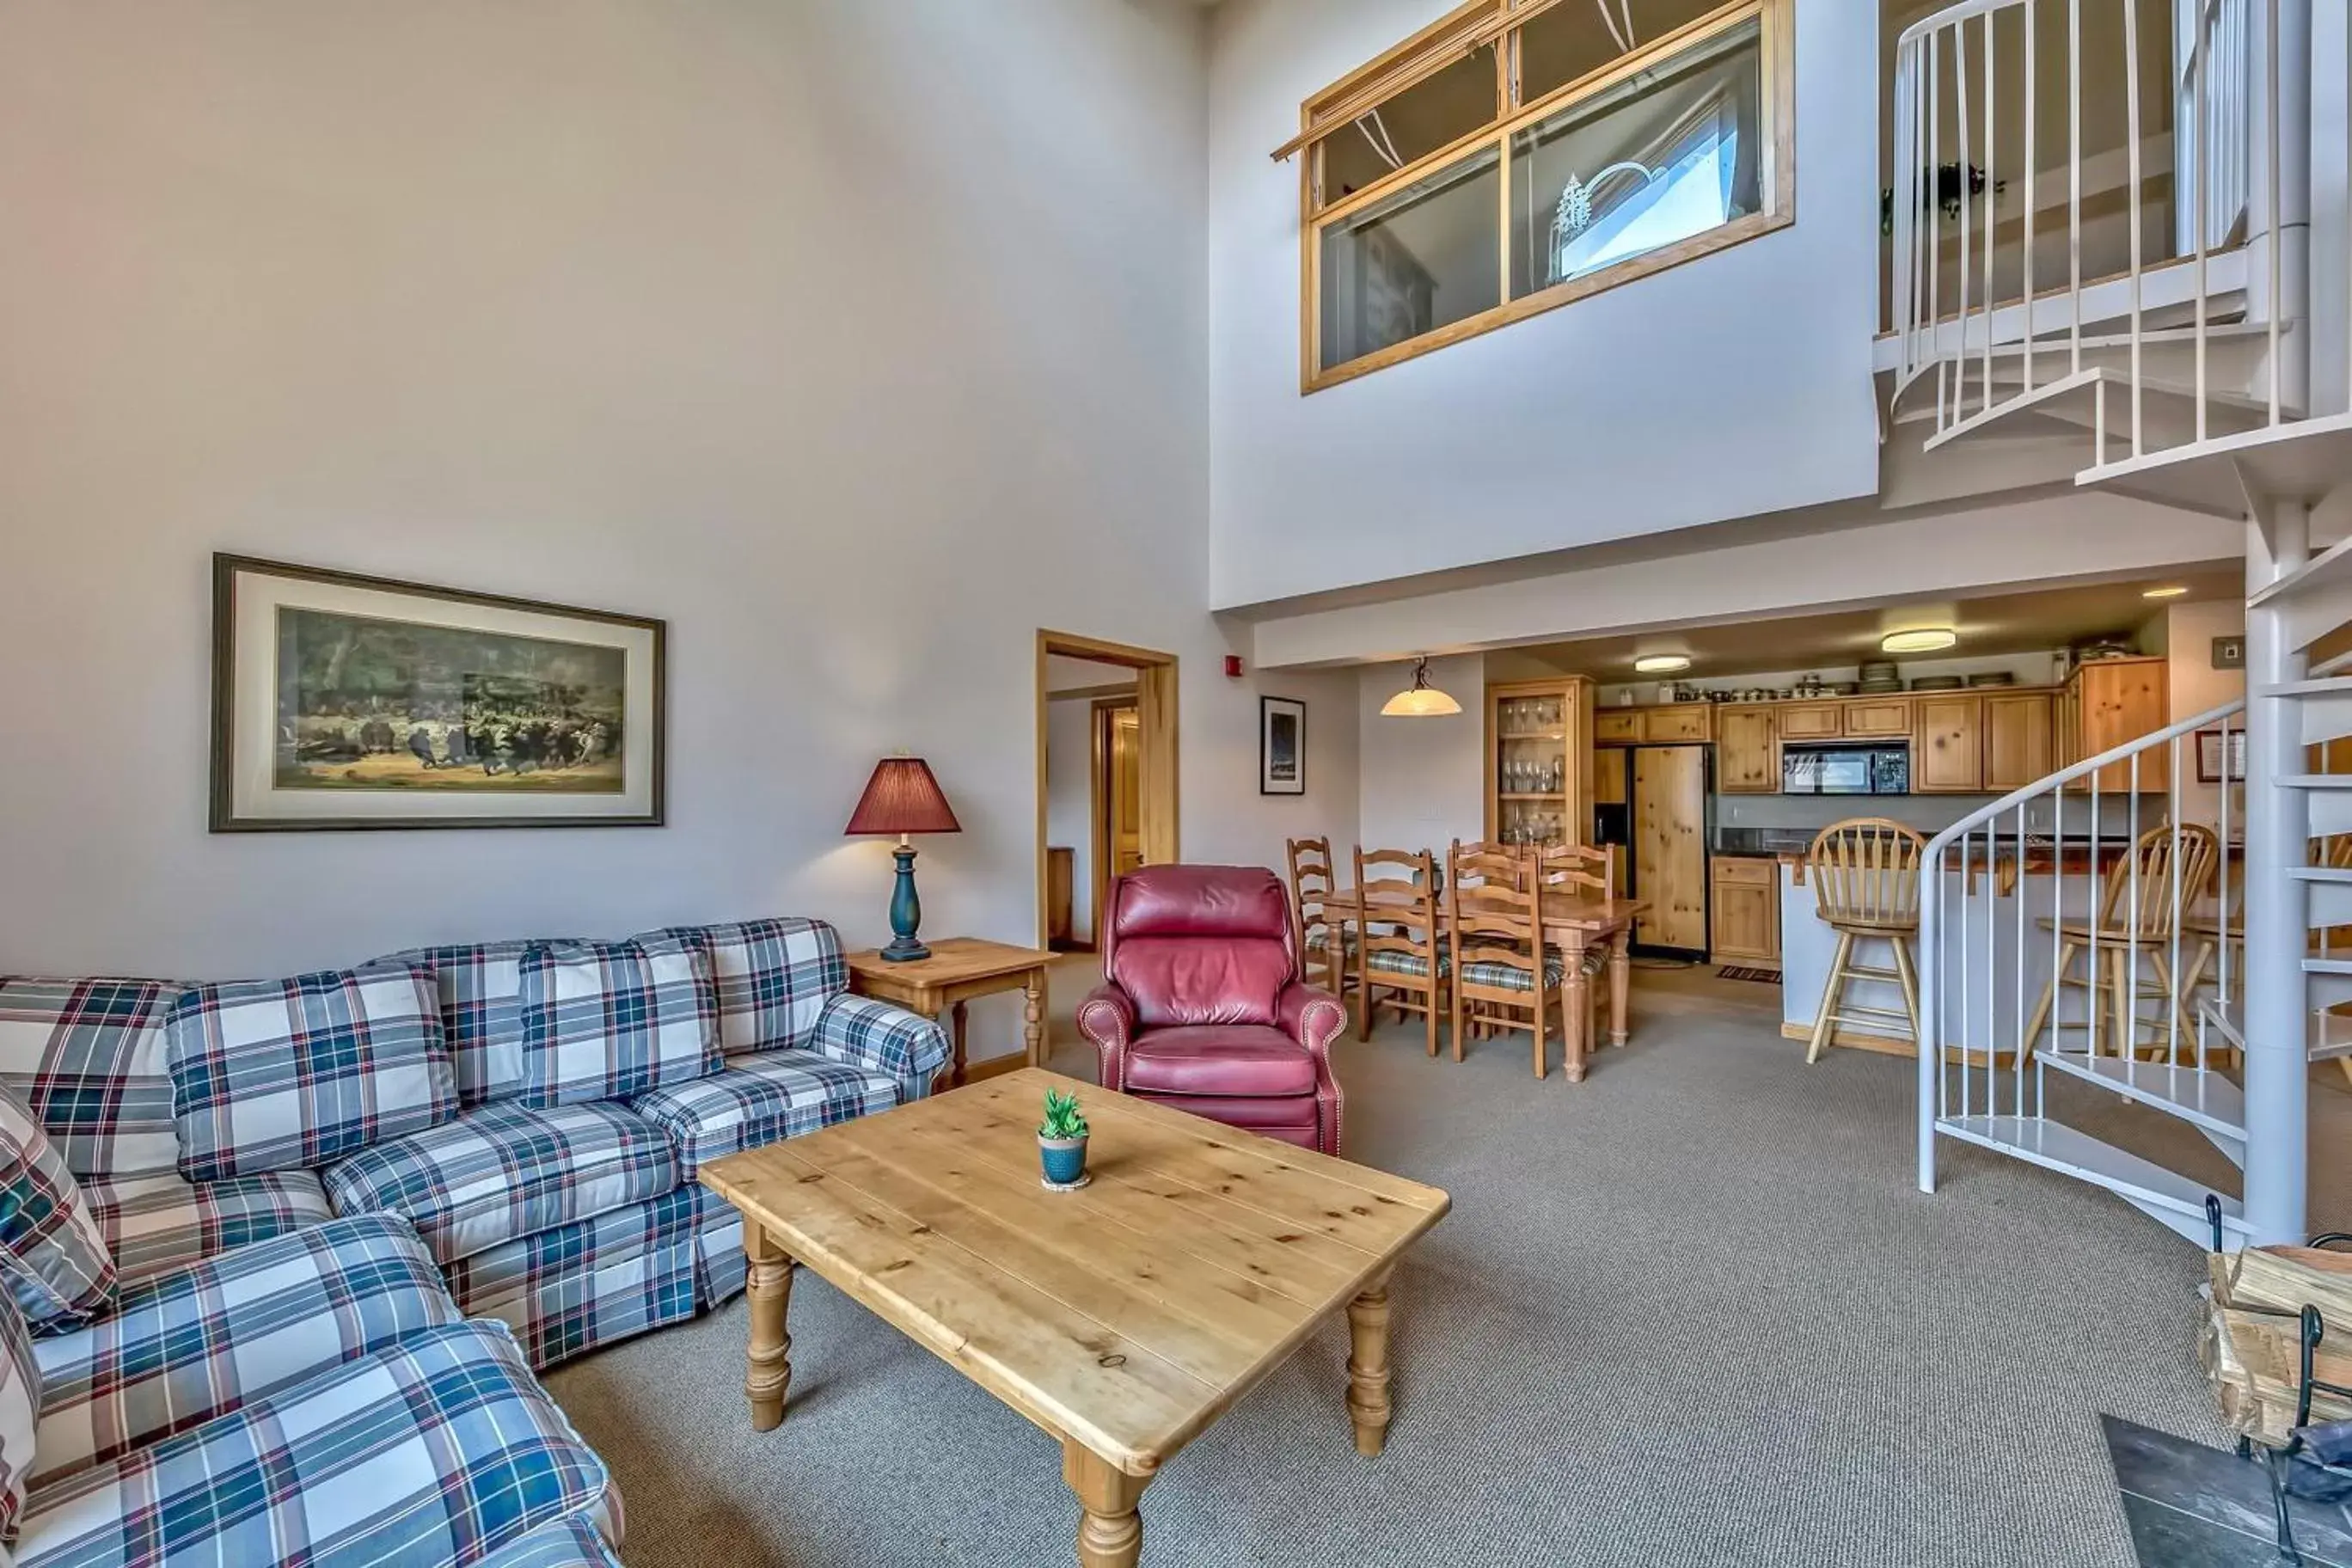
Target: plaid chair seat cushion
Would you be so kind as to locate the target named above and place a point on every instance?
(904, 1048)
(773, 978)
(1496, 977)
(1389, 961)
(568, 1290)
(505, 1171)
(200, 1341)
(574, 1542)
(480, 986)
(157, 1222)
(20, 1404)
(87, 1056)
(438, 1450)
(53, 1255)
(605, 1020)
(274, 1075)
(1320, 939)
(760, 1097)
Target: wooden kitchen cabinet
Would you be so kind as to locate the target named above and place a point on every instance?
(1747, 750)
(2107, 703)
(1744, 919)
(1948, 745)
(1873, 718)
(2019, 740)
(1540, 762)
(1681, 723)
(1812, 721)
(1617, 727)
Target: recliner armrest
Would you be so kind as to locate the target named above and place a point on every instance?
(1107, 1018)
(1311, 1016)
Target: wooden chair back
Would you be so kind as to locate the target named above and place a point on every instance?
(2146, 910)
(1495, 910)
(1404, 884)
(1866, 873)
(1574, 871)
(1313, 877)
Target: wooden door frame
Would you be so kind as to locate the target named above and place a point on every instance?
(1157, 803)
(1099, 784)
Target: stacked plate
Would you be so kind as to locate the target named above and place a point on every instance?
(1992, 678)
(1936, 683)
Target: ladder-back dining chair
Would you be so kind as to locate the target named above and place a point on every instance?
(1505, 975)
(2170, 868)
(1400, 961)
(1864, 873)
(1327, 945)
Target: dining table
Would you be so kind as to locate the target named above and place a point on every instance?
(1574, 925)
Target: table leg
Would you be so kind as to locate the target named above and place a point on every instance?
(1109, 1533)
(768, 1283)
(1621, 983)
(1033, 1026)
(1576, 1001)
(1367, 1367)
(955, 1030)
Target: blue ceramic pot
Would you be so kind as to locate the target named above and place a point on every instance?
(1065, 1158)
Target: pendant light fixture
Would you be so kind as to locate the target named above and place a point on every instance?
(1420, 699)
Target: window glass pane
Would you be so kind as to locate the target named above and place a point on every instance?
(1670, 152)
(1577, 37)
(1412, 261)
(1434, 112)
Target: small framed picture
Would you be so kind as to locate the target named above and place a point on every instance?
(2208, 755)
(1281, 746)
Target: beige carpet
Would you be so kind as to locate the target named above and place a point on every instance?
(1692, 1312)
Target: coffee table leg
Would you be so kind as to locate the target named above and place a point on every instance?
(1367, 1367)
(1109, 1533)
(956, 1014)
(769, 1282)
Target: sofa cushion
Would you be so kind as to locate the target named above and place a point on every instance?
(20, 1405)
(274, 1075)
(773, 978)
(480, 986)
(52, 1254)
(500, 1171)
(1220, 1058)
(158, 1222)
(438, 1450)
(760, 1097)
(204, 1340)
(87, 1056)
(605, 1020)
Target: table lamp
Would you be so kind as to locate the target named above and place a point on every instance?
(902, 797)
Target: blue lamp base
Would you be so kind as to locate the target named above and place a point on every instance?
(906, 912)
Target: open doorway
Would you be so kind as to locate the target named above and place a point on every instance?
(1105, 776)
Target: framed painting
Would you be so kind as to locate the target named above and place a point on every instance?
(2210, 747)
(343, 701)
(1281, 746)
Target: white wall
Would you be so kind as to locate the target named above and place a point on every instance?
(1736, 384)
(2187, 643)
(1070, 802)
(1424, 780)
(797, 325)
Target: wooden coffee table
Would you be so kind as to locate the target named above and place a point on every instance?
(1122, 1318)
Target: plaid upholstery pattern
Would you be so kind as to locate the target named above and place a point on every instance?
(773, 977)
(574, 1542)
(500, 1171)
(438, 1450)
(53, 1257)
(271, 1075)
(87, 1056)
(718, 1265)
(583, 1297)
(1389, 961)
(20, 1401)
(762, 1098)
(158, 1222)
(905, 1048)
(481, 985)
(1504, 977)
(202, 1341)
(605, 1020)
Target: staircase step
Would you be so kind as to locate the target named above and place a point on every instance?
(2071, 402)
(2205, 1099)
(2054, 1146)
(2330, 903)
(2330, 797)
(2328, 981)
(2326, 1036)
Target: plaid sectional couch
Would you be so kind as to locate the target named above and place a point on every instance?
(351, 1215)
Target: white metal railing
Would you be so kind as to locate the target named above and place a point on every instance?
(2094, 872)
(1987, 311)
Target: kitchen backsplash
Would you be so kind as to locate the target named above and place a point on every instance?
(1928, 812)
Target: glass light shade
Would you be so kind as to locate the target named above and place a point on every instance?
(1927, 639)
(1420, 699)
(2172, 592)
(1662, 664)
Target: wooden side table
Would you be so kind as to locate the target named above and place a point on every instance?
(959, 968)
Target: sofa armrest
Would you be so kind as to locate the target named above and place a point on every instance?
(876, 1035)
(1312, 1016)
(1107, 1018)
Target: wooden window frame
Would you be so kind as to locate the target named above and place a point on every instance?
(1444, 43)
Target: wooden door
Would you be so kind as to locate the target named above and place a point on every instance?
(1812, 721)
(1155, 740)
(1670, 847)
(2121, 699)
(2019, 730)
(1949, 757)
(1747, 757)
(1123, 784)
(1872, 717)
(1746, 919)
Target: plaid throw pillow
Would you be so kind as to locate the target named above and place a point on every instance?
(20, 1400)
(51, 1253)
(275, 1075)
(605, 1020)
(773, 978)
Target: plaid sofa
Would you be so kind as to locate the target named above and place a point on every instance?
(290, 1369)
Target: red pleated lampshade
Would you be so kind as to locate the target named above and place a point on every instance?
(902, 797)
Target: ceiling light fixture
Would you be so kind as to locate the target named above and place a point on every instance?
(1662, 664)
(1926, 640)
(2174, 592)
(1420, 699)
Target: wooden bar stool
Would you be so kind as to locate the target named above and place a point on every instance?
(2135, 924)
(1865, 875)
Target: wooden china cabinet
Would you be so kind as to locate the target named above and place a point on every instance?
(1540, 762)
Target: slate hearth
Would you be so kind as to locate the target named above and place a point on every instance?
(2195, 1506)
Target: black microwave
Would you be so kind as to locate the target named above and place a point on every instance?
(1845, 770)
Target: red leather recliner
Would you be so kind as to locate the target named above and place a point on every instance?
(1202, 1009)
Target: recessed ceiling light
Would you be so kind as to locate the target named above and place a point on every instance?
(2174, 592)
(1927, 639)
(1662, 664)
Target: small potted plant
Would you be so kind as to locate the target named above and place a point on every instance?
(1062, 1141)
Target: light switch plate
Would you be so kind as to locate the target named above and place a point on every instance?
(2230, 653)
